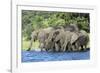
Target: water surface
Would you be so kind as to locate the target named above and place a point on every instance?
(37, 56)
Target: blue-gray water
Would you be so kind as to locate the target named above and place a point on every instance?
(34, 56)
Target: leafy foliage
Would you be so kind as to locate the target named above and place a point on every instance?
(33, 20)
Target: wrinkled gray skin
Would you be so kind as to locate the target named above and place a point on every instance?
(60, 39)
(40, 35)
(74, 37)
(72, 41)
(78, 40)
(68, 40)
(50, 43)
(43, 36)
(81, 42)
(72, 28)
(33, 38)
(65, 38)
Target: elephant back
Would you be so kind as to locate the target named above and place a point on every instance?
(71, 27)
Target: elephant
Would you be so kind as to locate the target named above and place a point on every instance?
(82, 41)
(79, 40)
(71, 27)
(71, 41)
(62, 41)
(34, 35)
(41, 35)
(68, 36)
(50, 43)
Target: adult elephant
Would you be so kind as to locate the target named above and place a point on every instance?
(50, 43)
(78, 38)
(70, 41)
(82, 40)
(62, 41)
(41, 35)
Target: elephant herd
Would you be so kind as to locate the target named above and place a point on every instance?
(60, 39)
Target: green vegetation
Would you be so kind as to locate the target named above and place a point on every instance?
(32, 20)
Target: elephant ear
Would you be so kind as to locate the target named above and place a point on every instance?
(74, 37)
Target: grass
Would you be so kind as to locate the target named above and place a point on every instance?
(25, 44)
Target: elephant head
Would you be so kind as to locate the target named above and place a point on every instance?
(43, 36)
(34, 36)
(50, 44)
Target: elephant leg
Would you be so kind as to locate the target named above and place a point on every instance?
(56, 47)
(30, 46)
(69, 47)
(64, 47)
(41, 46)
(75, 47)
(82, 48)
(61, 49)
(79, 48)
(85, 47)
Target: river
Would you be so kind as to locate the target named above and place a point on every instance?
(38, 56)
